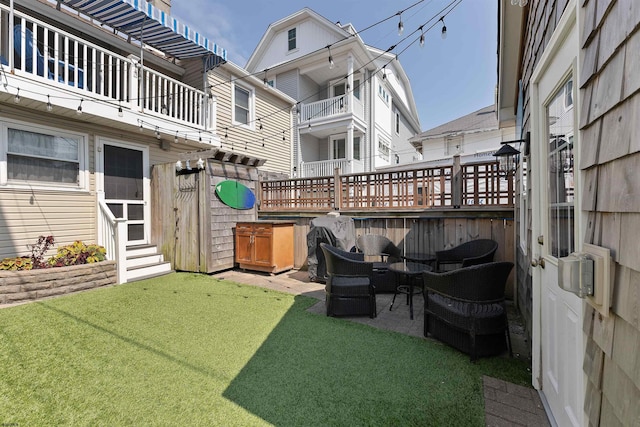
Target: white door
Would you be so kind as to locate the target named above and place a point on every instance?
(126, 187)
(558, 344)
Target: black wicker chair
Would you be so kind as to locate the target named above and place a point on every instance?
(465, 308)
(474, 252)
(380, 246)
(349, 289)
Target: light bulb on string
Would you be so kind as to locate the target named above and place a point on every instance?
(175, 139)
(49, 106)
(16, 99)
(444, 29)
(400, 25)
(79, 110)
(421, 37)
(331, 64)
(120, 113)
(157, 132)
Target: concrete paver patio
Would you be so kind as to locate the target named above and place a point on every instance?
(506, 404)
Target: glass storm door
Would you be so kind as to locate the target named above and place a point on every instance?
(124, 189)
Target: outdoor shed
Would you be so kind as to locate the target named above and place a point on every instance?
(192, 227)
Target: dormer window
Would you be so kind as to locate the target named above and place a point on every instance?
(291, 36)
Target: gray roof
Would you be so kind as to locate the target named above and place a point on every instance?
(483, 119)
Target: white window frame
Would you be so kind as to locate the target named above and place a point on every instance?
(296, 40)
(83, 156)
(252, 106)
(384, 149)
(383, 94)
(396, 121)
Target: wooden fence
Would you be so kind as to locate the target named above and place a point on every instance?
(469, 185)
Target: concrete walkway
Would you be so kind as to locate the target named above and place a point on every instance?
(506, 404)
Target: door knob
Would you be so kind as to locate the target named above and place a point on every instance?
(537, 262)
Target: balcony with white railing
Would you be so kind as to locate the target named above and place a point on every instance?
(42, 53)
(328, 167)
(331, 107)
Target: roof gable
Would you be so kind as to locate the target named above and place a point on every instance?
(481, 120)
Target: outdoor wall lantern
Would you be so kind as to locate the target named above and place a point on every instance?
(508, 158)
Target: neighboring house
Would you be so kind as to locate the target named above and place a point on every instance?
(86, 113)
(569, 75)
(474, 137)
(355, 106)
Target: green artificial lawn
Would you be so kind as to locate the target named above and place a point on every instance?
(188, 349)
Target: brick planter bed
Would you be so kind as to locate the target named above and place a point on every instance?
(29, 285)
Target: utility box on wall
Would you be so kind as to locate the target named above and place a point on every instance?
(191, 226)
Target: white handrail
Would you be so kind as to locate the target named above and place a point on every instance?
(52, 54)
(112, 234)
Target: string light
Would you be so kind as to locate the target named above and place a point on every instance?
(421, 36)
(444, 28)
(260, 124)
(384, 72)
(283, 138)
(49, 106)
(400, 24)
(157, 132)
(262, 142)
(16, 99)
(264, 80)
(141, 129)
(331, 64)
(175, 140)
(120, 113)
(79, 110)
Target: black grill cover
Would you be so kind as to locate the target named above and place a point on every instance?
(338, 231)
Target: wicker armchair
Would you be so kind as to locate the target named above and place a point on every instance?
(380, 246)
(465, 308)
(349, 289)
(474, 252)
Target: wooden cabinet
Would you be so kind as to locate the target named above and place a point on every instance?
(265, 245)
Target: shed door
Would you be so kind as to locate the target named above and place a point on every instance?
(558, 347)
(124, 189)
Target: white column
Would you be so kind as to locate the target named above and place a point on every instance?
(350, 83)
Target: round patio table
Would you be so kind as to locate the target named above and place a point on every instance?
(420, 257)
(409, 278)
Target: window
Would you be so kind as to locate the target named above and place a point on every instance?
(339, 149)
(382, 92)
(383, 149)
(356, 88)
(242, 105)
(397, 121)
(291, 37)
(43, 156)
(356, 148)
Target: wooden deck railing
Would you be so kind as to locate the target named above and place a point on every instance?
(471, 185)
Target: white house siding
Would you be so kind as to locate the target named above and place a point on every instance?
(309, 91)
(400, 141)
(310, 36)
(275, 114)
(287, 82)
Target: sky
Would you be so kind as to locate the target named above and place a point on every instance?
(449, 78)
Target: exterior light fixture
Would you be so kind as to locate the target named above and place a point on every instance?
(508, 157)
(331, 64)
(444, 29)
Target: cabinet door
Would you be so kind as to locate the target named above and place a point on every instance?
(244, 244)
(262, 242)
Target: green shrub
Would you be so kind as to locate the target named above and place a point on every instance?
(18, 263)
(77, 253)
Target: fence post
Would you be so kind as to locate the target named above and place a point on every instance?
(456, 182)
(337, 189)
